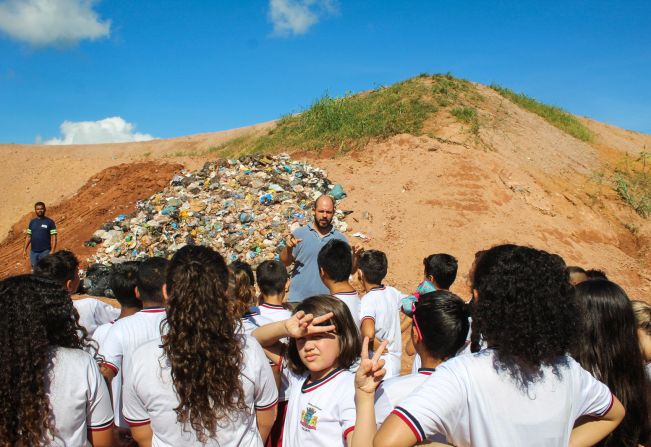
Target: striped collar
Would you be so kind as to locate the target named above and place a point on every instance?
(353, 293)
(381, 287)
(152, 310)
(272, 306)
(306, 388)
(426, 371)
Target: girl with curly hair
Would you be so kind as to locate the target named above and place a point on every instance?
(324, 343)
(609, 348)
(51, 390)
(207, 384)
(523, 388)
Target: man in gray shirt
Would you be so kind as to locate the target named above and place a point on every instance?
(302, 248)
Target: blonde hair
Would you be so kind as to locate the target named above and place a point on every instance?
(642, 315)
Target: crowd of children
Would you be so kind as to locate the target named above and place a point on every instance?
(205, 353)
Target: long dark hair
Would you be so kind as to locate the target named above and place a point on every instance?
(201, 342)
(609, 348)
(37, 315)
(525, 309)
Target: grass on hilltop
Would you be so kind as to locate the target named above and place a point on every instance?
(351, 121)
(552, 114)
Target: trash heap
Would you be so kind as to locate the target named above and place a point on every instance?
(242, 208)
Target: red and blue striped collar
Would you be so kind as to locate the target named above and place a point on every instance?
(152, 310)
(353, 293)
(306, 388)
(381, 287)
(426, 371)
(272, 306)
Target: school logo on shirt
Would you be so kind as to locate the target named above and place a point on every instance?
(309, 418)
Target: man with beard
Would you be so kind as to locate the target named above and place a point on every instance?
(41, 235)
(302, 248)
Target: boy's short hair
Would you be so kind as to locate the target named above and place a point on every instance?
(124, 279)
(596, 274)
(374, 265)
(272, 277)
(336, 260)
(442, 267)
(151, 277)
(60, 266)
(238, 265)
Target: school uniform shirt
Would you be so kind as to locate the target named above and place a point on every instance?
(381, 305)
(470, 403)
(393, 391)
(150, 398)
(94, 313)
(78, 396)
(321, 413)
(252, 320)
(351, 299)
(126, 335)
(116, 384)
(274, 312)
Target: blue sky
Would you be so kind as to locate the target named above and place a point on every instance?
(170, 68)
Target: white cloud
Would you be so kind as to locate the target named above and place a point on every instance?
(297, 16)
(52, 22)
(108, 130)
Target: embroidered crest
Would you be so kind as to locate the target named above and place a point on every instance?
(309, 418)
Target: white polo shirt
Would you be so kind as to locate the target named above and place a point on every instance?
(393, 391)
(94, 313)
(116, 384)
(351, 299)
(470, 403)
(319, 414)
(149, 397)
(78, 396)
(274, 312)
(126, 335)
(381, 305)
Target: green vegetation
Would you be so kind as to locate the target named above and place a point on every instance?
(351, 121)
(469, 116)
(633, 183)
(553, 115)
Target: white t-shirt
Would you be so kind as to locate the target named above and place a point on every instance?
(150, 398)
(252, 320)
(351, 299)
(467, 401)
(94, 313)
(322, 413)
(126, 335)
(274, 312)
(393, 391)
(116, 384)
(78, 396)
(382, 306)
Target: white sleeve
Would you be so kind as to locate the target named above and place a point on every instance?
(133, 409)
(383, 406)
(347, 411)
(111, 350)
(266, 391)
(105, 313)
(591, 396)
(99, 412)
(434, 405)
(368, 308)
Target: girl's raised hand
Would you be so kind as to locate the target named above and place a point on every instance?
(371, 370)
(302, 324)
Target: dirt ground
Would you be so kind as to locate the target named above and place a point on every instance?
(519, 180)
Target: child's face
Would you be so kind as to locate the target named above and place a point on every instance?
(645, 344)
(319, 353)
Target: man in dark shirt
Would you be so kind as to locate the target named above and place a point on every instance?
(41, 235)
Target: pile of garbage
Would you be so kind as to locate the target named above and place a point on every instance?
(242, 208)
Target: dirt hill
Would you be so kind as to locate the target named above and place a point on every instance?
(480, 171)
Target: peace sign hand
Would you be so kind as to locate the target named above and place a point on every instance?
(371, 371)
(301, 324)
